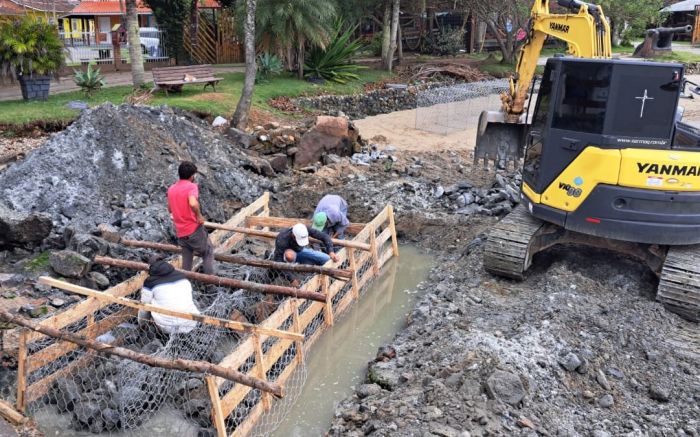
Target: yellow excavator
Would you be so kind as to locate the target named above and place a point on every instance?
(607, 161)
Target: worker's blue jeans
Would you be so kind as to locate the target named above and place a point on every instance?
(310, 256)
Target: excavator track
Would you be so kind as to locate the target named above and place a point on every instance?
(508, 250)
(679, 283)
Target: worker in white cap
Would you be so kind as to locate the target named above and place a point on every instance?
(292, 245)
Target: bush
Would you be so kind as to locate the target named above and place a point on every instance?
(29, 47)
(268, 66)
(90, 81)
(334, 62)
(375, 46)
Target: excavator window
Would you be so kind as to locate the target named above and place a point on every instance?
(533, 152)
(582, 97)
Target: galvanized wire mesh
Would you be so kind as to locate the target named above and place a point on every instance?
(453, 108)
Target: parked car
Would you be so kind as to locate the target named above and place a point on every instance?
(150, 41)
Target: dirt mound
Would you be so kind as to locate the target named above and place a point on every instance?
(115, 163)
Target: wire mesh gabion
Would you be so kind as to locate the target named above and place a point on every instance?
(448, 109)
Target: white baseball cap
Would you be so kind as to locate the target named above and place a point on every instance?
(301, 234)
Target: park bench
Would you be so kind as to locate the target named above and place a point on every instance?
(173, 78)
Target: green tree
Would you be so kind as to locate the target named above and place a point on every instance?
(240, 117)
(291, 25)
(171, 16)
(135, 53)
(628, 19)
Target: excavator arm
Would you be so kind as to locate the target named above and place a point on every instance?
(587, 32)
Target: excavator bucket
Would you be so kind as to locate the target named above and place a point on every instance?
(498, 140)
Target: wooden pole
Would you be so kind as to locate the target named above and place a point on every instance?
(304, 268)
(394, 238)
(22, 371)
(283, 222)
(353, 267)
(328, 316)
(260, 368)
(273, 235)
(217, 415)
(215, 321)
(219, 280)
(149, 360)
(373, 250)
(297, 328)
(13, 416)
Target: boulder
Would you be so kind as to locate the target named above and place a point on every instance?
(68, 263)
(278, 162)
(368, 390)
(506, 387)
(329, 135)
(384, 374)
(240, 137)
(18, 229)
(108, 233)
(88, 245)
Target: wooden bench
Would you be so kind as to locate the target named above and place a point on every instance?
(173, 78)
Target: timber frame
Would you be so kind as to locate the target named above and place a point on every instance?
(291, 329)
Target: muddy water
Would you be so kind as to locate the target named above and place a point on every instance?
(338, 360)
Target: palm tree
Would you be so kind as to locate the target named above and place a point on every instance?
(290, 25)
(135, 53)
(240, 117)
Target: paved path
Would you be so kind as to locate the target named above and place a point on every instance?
(66, 84)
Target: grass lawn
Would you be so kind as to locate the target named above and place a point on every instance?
(223, 102)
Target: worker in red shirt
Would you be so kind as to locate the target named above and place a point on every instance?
(187, 216)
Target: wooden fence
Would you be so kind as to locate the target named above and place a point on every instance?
(309, 318)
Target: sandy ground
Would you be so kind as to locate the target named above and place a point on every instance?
(453, 126)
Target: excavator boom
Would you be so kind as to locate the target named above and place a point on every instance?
(500, 134)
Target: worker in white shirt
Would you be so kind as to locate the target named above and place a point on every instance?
(167, 288)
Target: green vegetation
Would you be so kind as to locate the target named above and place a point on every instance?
(334, 61)
(39, 263)
(90, 81)
(223, 102)
(29, 46)
(268, 66)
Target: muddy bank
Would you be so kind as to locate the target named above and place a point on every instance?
(579, 348)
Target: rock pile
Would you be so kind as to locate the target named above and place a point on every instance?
(113, 165)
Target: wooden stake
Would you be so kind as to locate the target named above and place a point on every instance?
(217, 416)
(283, 222)
(304, 268)
(328, 309)
(13, 416)
(392, 226)
(153, 361)
(260, 367)
(297, 328)
(22, 371)
(373, 250)
(353, 267)
(273, 235)
(215, 321)
(220, 280)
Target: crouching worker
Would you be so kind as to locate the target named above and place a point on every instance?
(331, 216)
(167, 288)
(292, 245)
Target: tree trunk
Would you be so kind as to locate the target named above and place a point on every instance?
(194, 25)
(400, 44)
(507, 55)
(300, 57)
(386, 33)
(394, 33)
(135, 53)
(240, 117)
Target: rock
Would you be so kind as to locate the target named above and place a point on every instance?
(88, 245)
(439, 191)
(442, 430)
(198, 410)
(34, 311)
(570, 361)
(18, 229)
(432, 412)
(506, 387)
(77, 104)
(329, 135)
(65, 393)
(57, 302)
(99, 279)
(219, 121)
(8, 280)
(465, 199)
(587, 394)
(292, 151)
(366, 390)
(384, 374)
(278, 162)
(599, 433)
(108, 233)
(615, 373)
(240, 137)
(385, 353)
(606, 401)
(659, 393)
(524, 422)
(206, 432)
(602, 380)
(88, 414)
(331, 158)
(69, 264)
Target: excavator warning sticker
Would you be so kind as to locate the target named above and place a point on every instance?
(654, 181)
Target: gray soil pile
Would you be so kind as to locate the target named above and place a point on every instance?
(579, 348)
(115, 163)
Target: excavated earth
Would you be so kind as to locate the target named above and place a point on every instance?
(579, 348)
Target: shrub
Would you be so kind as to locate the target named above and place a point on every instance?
(268, 65)
(90, 81)
(448, 41)
(334, 62)
(29, 47)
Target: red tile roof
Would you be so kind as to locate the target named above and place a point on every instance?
(9, 8)
(114, 7)
(59, 6)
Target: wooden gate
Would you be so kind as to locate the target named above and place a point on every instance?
(216, 41)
